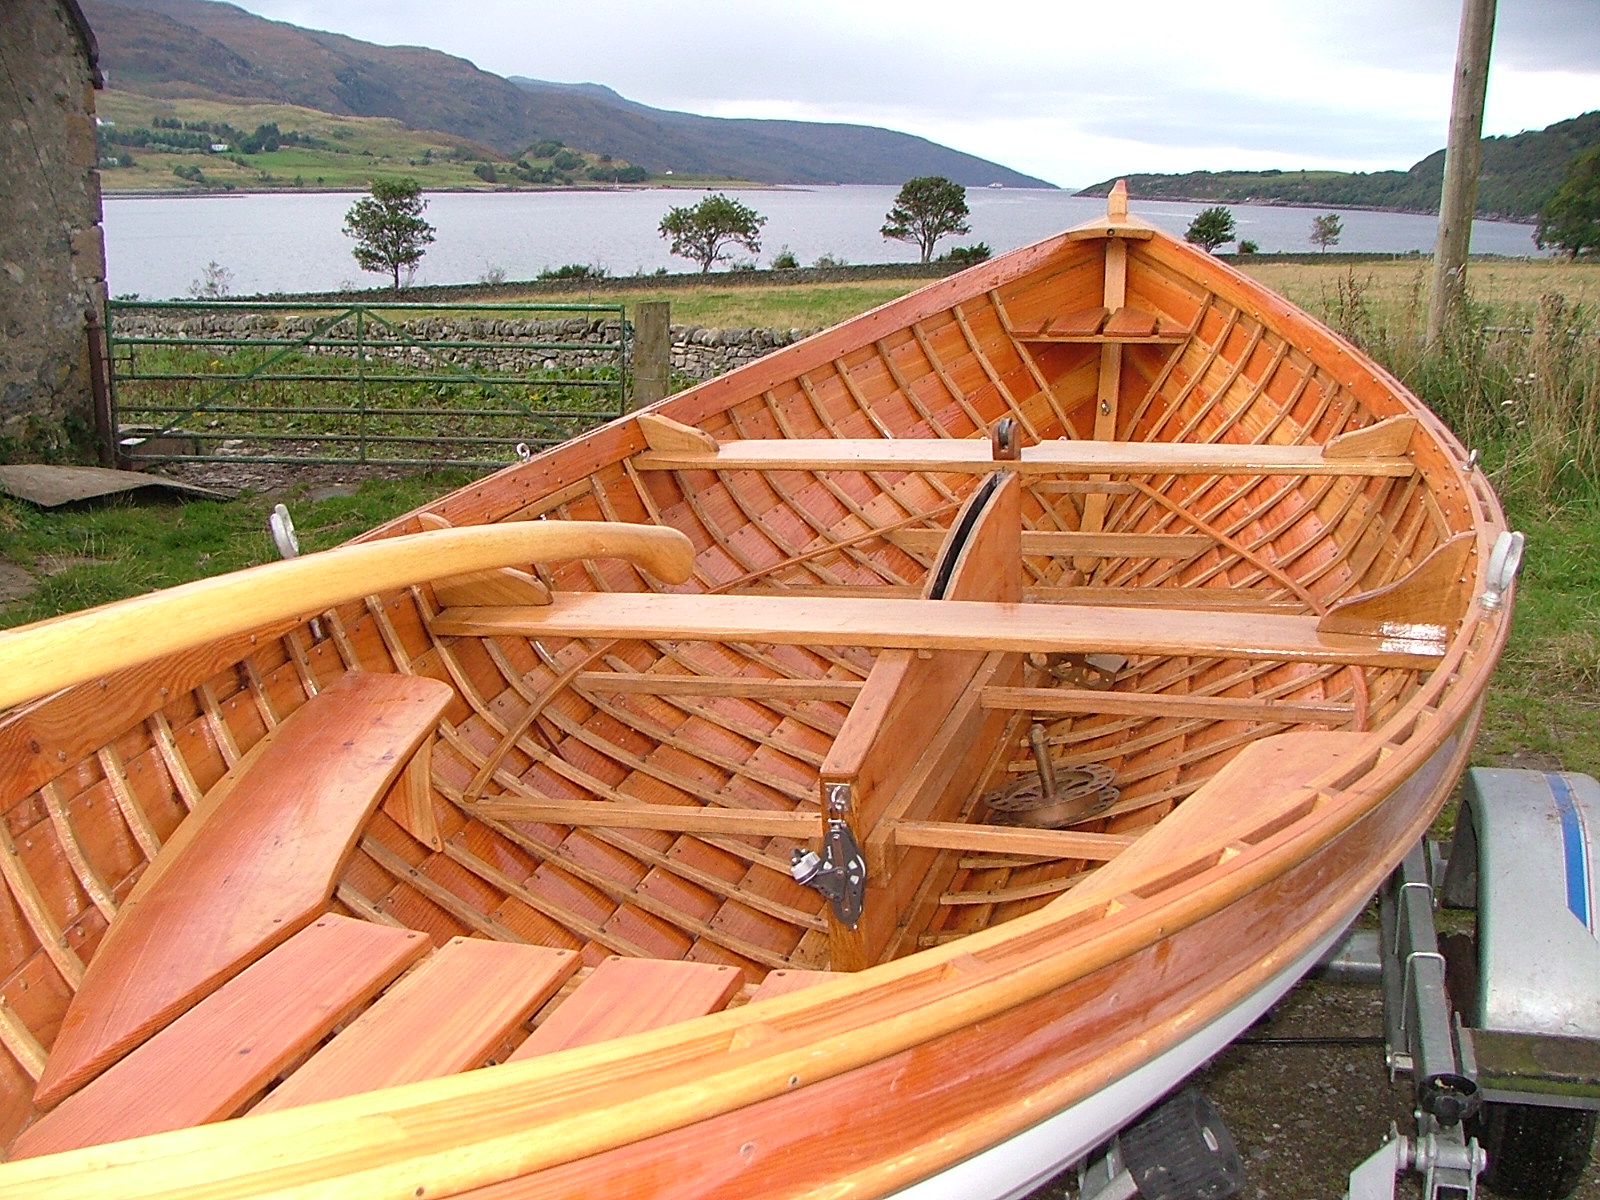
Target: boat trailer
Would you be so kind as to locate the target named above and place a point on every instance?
(1498, 1029)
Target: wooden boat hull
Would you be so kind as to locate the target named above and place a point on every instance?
(1286, 589)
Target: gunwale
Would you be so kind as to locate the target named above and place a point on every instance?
(455, 1137)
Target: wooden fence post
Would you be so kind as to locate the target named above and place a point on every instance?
(652, 345)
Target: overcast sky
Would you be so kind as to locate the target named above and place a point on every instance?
(1066, 90)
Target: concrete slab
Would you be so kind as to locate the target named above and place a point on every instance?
(51, 486)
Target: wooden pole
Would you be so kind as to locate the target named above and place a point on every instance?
(1461, 161)
(652, 349)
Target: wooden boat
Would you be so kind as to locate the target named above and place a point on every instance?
(1091, 632)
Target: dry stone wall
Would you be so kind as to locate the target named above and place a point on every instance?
(521, 345)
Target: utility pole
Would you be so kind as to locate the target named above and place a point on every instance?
(1461, 161)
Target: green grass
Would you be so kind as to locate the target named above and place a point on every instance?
(94, 553)
(1546, 694)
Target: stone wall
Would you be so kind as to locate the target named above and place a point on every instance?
(52, 256)
(696, 354)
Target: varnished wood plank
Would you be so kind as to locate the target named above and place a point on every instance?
(1417, 609)
(1128, 322)
(785, 982)
(1264, 784)
(253, 864)
(213, 1059)
(632, 995)
(972, 455)
(934, 625)
(446, 1016)
(1085, 322)
(1002, 839)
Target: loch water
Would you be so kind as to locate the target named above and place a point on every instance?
(158, 247)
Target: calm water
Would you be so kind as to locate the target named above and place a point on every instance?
(159, 247)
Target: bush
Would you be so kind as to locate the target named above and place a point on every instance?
(966, 256)
(784, 260)
(1249, 247)
(573, 271)
(486, 173)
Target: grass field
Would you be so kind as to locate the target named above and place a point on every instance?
(1529, 400)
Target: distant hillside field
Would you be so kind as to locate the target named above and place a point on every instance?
(181, 50)
(1519, 173)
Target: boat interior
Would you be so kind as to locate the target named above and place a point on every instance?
(1027, 586)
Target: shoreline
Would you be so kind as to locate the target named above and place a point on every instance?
(602, 189)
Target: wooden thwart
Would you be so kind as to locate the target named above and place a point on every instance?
(936, 625)
(254, 863)
(211, 1061)
(1068, 457)
(447, 1016)
(632, 995)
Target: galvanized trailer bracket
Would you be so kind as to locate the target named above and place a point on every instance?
(1521, 1030)
(1422, 1036)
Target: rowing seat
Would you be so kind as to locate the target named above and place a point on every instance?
(209, 1063)
(786, 981)
(448, 1015)
(256, 861)
(632, 995)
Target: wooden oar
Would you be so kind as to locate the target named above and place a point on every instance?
(40, 658)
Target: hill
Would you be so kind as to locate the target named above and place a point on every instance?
(202, 49)
(1518, 174)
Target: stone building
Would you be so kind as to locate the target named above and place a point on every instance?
(52, 254)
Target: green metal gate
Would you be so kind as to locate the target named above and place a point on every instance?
(379, 384)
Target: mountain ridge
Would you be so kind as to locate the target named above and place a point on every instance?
(1519, 172)
(208, 49)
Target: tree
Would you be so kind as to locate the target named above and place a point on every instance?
(1570, 219)
(927, 208)
(705, 232)
(1326, 231)
(1211, 228)
(388, 228)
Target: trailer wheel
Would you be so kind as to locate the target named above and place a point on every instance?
(1535, 1153)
